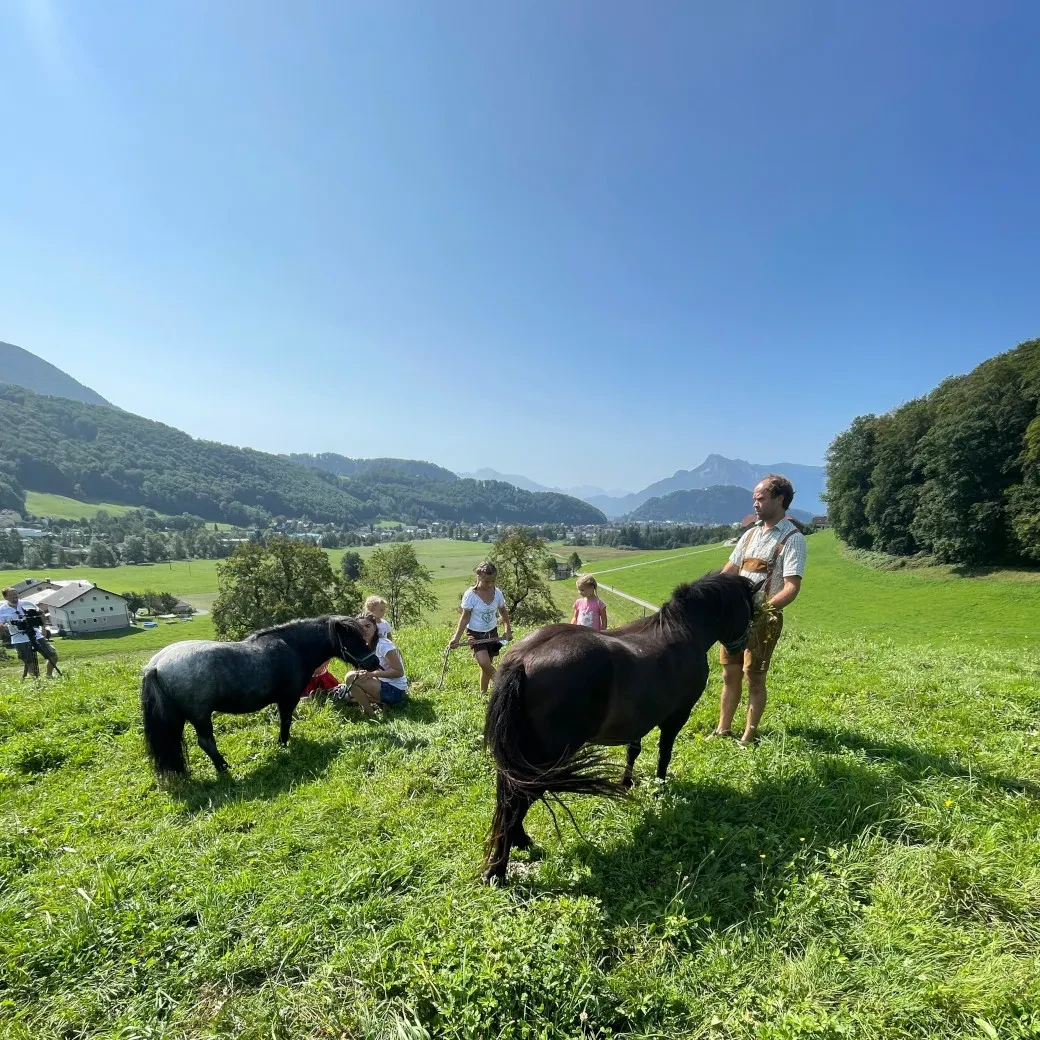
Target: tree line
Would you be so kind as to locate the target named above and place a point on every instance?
(954, 474)
(97, 453)
(662, 536)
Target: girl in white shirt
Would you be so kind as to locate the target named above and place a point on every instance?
(481, 606)
(387, 684)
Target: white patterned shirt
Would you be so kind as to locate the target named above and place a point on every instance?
(760, 543)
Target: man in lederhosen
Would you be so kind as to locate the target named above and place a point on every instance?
(772, 553)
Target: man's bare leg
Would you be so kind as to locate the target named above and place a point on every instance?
(729, 701)
(756, 705)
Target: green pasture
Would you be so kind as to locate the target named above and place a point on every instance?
(61, 508)
(846, 600)
(870, 870)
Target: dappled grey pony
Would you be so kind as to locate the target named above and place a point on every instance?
(188, 681)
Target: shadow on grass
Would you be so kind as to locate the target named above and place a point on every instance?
(721, 856)
(913, 762)
(302, 761)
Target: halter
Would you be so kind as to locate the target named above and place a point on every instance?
(346, 655)
(738, 644)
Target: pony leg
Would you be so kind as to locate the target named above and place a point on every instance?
(204, 732)
(509, 810)
(669, 730)
(518, 836)
(630, 761)
(285, 714)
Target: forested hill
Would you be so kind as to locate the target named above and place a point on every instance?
(97, 453)
(345, 467)
(954, 475)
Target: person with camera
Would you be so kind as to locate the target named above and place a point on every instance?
(24, 622)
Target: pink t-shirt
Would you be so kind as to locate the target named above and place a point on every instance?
(590, 612)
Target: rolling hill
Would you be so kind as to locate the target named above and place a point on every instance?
(93, 452)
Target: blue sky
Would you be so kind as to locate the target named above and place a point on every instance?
(574, 241)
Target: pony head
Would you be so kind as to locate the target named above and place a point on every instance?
(346, 635)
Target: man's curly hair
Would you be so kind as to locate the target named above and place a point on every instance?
(778, 485)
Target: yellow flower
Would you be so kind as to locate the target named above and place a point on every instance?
(948, 803)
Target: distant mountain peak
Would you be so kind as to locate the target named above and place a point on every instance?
(21, 367)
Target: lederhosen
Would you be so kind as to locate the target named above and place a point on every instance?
(766, 632)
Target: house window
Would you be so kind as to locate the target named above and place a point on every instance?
(95, 621)
(106, 597)
(94, 598)
(92, 610)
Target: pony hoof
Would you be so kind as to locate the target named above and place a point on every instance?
(628, 782)
(494, 878)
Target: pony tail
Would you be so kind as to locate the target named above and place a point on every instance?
(587, 770)
(163, 725)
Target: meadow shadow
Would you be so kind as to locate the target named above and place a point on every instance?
(914, 763)
(736, 849)
(303, 760)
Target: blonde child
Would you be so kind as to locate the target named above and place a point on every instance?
(376, 606)
(589, 610)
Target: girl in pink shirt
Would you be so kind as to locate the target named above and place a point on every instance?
(590, 610)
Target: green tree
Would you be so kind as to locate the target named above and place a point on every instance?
(261, 585)
(897, 478)
(134, 601)
(395, 573)
(352, 565)
(574, 560)
(32, 558)
(157, 547)
(100, 554)
(133, 550)
(178, 547)
(850, 462)
(521, 558)
(14, 547)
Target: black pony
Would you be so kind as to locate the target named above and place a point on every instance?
(188, 681)
(565, 687)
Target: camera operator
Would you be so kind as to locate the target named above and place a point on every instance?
(23, 622)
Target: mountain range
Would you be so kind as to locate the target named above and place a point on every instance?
(714, 471)
(23, 368)
(372, 487)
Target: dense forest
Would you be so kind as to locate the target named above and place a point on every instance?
(95, 453)
(954, 475)
(344, 467)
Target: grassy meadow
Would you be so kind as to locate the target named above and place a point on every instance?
(844, 599)
(870, 870)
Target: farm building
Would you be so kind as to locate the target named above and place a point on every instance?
(562, 571)
(81, 607)
(821, 522)
(33, 585)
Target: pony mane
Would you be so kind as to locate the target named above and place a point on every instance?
(294, 625)
(676, 613)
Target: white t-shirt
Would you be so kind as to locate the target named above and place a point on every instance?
(383, 648)
(485, 615)
(760, 543)
(9, 613)
(383, 628)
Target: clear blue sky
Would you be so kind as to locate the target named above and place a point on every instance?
(572, 240)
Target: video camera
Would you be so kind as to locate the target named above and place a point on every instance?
(28, 624)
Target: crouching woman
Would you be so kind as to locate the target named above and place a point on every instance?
(386, 684)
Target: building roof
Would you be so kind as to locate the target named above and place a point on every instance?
(748, 520)
(29, 584)
(67, 593)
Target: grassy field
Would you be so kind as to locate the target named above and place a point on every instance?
(841, 598)
(871, 870)
(58, 506)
